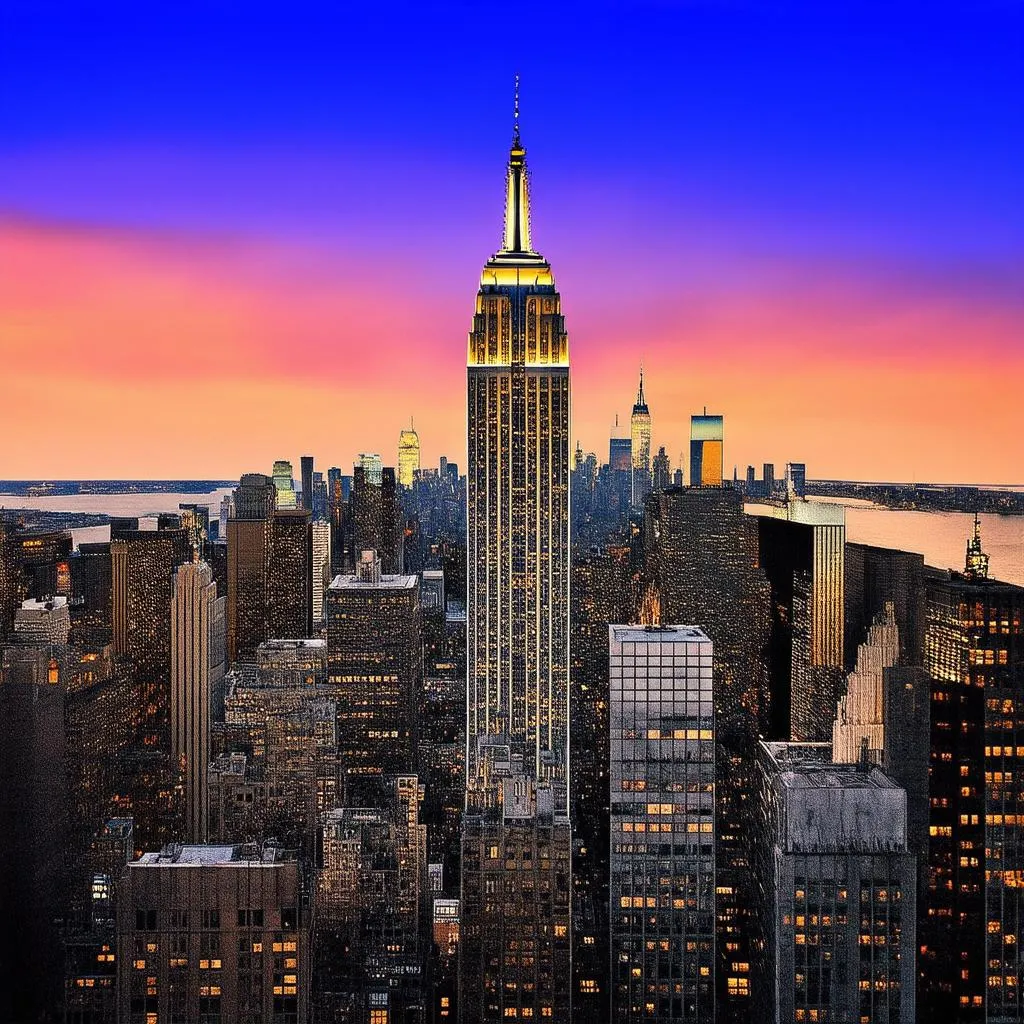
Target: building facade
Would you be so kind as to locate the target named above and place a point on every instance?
(515, 948)
(662, 775)
(197, 667)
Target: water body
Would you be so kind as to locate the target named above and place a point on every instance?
(940, 536)
(144, 506)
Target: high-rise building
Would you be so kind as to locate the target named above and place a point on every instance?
(515, 939)
(408, 456)
(375, 519)
(796, 479)
(375, 666)
(620, 467)
(306, 464)
(662, 471)
(33, 830)
(971, 959)
(858, 732)
(706, 450)
(289, 593)
(210, 933)
(194, 519)
(802, 551)
(284, 485)
(701, 558)
(662, 893)
(43, 622)
(875, 577)
(143, 565)
(321, 569)
(768, 474)
(248, 536)
(372, 465)
(836, 891)
(640, 446)
(370, 901)
(197, 666)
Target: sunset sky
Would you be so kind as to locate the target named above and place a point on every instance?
(232, 233)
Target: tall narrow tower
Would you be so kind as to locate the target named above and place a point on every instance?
(518, 480)
(517, 734)
(640, 435)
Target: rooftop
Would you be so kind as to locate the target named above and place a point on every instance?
(810, 766)
(807, 513)
(658, 634)
(386, 583)
(212, 856)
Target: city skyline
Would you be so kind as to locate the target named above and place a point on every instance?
(788, 262)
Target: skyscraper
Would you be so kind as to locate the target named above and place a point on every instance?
(284, 484)
(803, 551)
(971, 939)
(662, 893)
(517, 742)
(837, 889)
(306, 463)
(143, 566)
(706, 437)
(210, 933)
(197, 666)
(408, 455)
(248, 536)
(375, 665)
(640, 437)
(321, 569)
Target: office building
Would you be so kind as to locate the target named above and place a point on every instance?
(803, 551)
(873, 578)
(306, 464)
(375, 667)
(197, 667)
(836, 891)
(194, 519)
(640, 446)
(376, 519)
(143, 564)
(213, 933)
(858, 733)
(408, 456)
(662, 471)
(289, 594)
(706, 450)
(370, 901)
(662, 773)
(43, 622)
(33, 830)
(796, 479)
(248, 537)
(971, 960)
(284, 485)
(321, 569)
(518, 627)
(701, 559)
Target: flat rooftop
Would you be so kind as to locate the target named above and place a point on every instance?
(807, 513)
(658, 634)
(211, 856)
(810, 766)
(292, 645)
(386, 583)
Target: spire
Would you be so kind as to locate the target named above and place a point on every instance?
(976, 563)
(517, 193)
(640, 408)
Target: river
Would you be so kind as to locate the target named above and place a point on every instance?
(940, 536)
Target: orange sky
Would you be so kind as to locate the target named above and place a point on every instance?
(152, 355)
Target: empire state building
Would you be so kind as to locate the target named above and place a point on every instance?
(515, 933)
(518, 505)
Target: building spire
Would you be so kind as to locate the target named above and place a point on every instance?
(640, 393)
(976, 563)
(517, 193)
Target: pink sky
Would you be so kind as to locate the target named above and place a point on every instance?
(141, 353)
